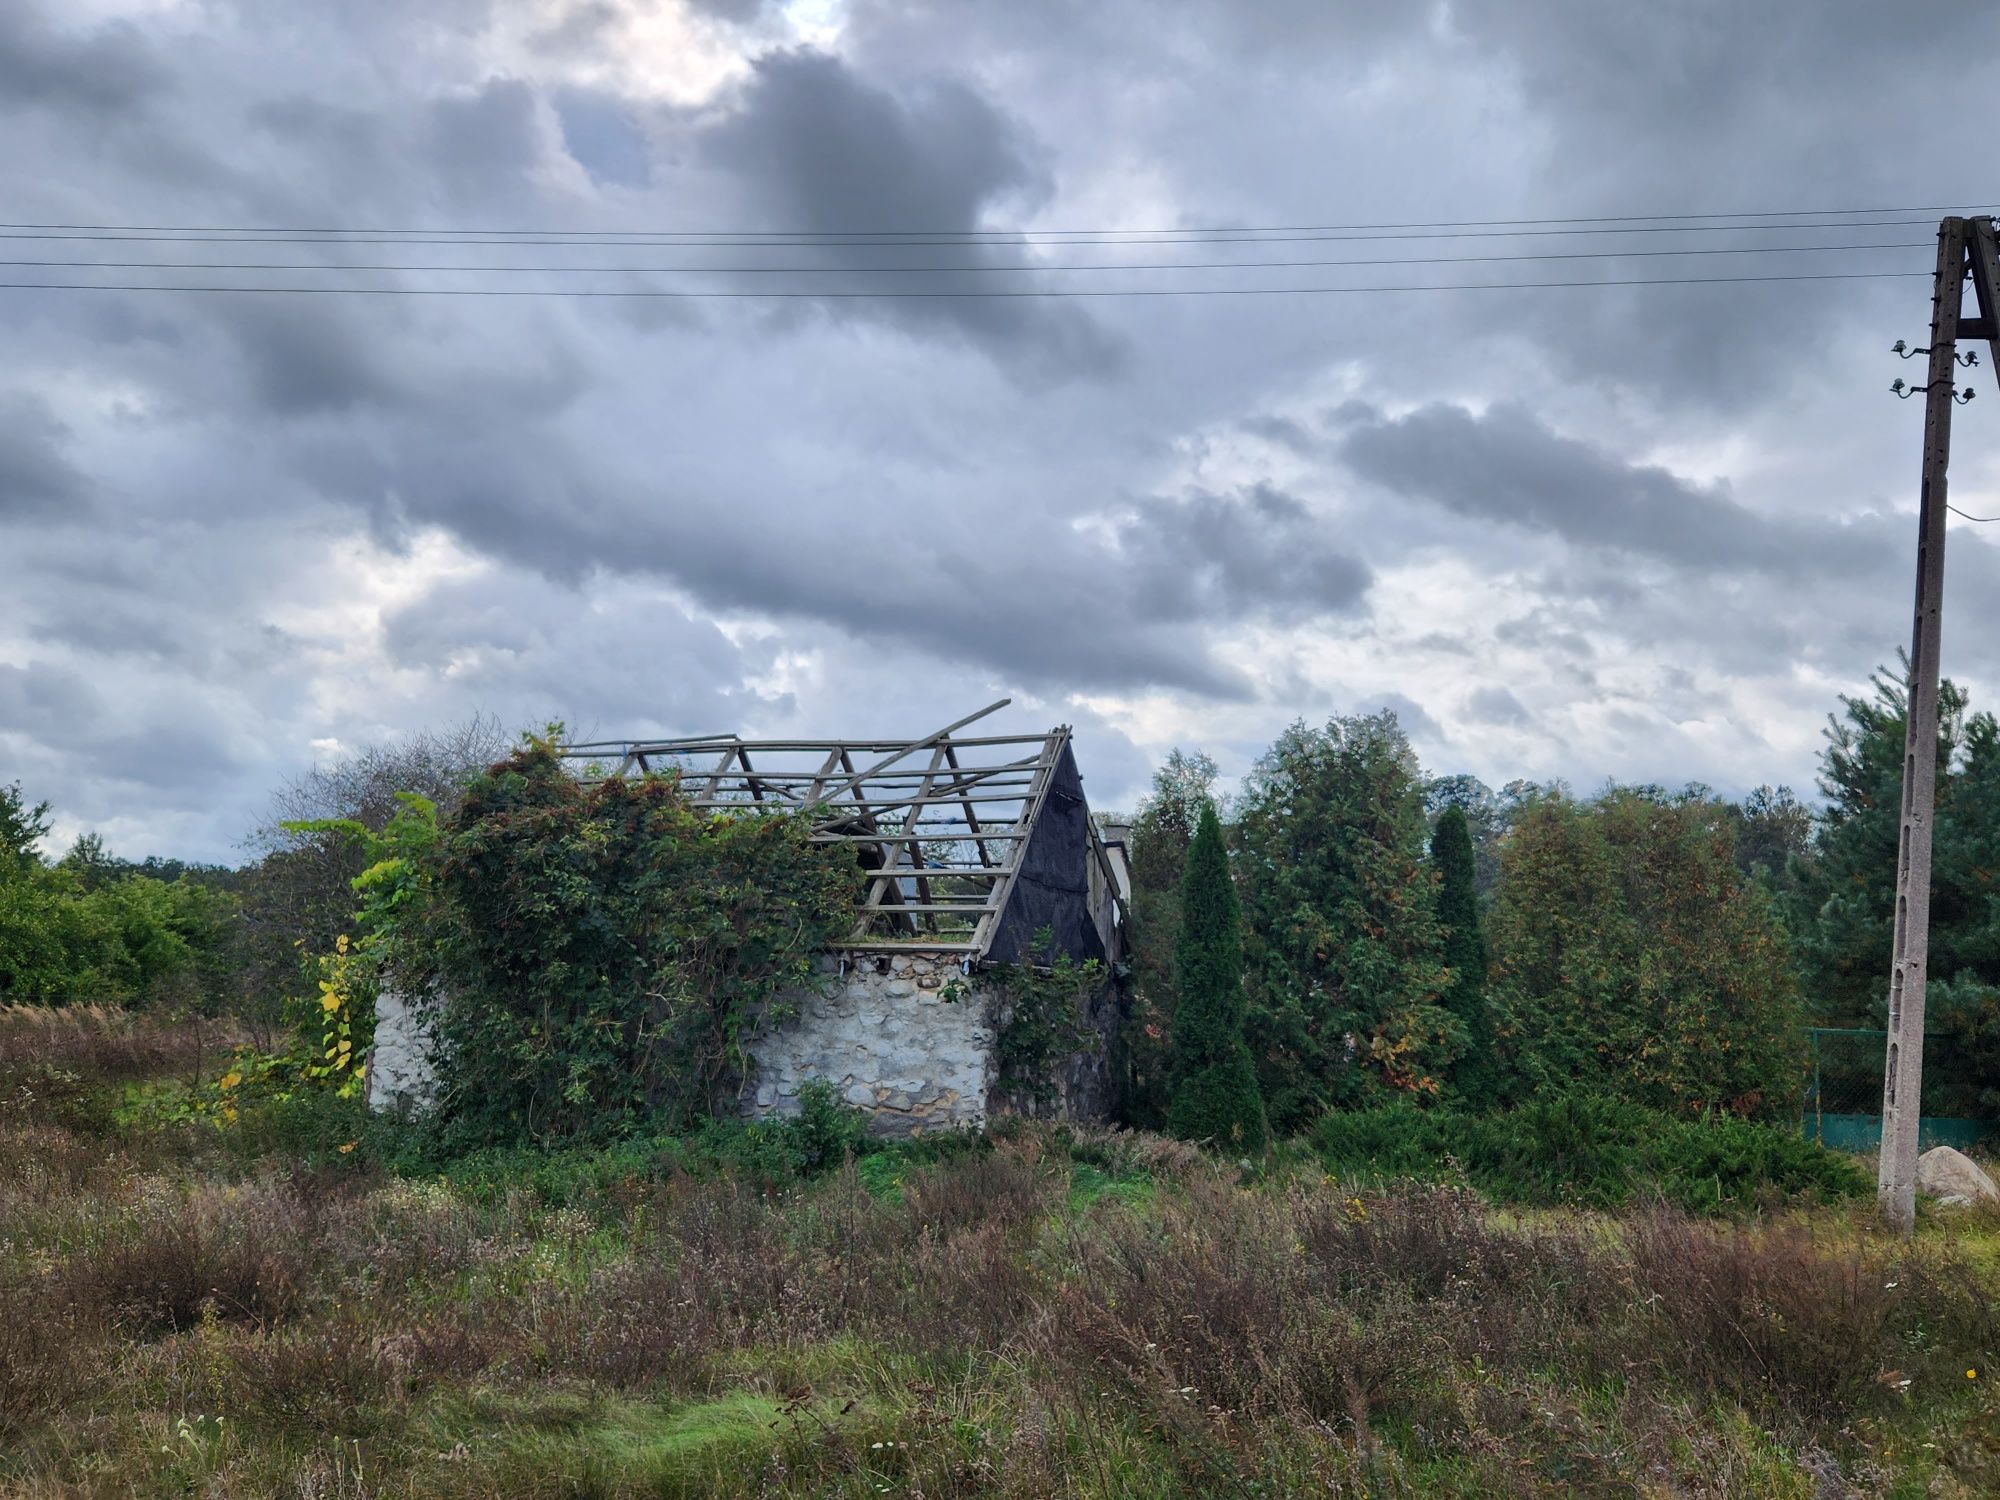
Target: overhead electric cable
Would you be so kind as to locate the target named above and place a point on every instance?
(834, 270)
(1053, 292)
(739, 242)
(1775, 213)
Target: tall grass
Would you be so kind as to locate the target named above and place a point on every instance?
(1045, 1312)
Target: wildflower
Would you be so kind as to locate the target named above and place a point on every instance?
(230, 1079)
(348, 1147)
(1971, 1374)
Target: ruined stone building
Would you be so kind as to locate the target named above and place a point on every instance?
(976, 846)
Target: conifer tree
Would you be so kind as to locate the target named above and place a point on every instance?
(1475, 1076)
(1345, 959)
(1160, 838)
(1214, 1081)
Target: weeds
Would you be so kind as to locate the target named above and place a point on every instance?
(1044, 1311)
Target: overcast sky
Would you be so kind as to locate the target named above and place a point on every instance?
(1644, 532)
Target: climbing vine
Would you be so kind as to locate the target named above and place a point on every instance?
(596, 956)
(1043, 1004)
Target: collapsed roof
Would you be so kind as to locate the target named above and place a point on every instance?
(975, 843)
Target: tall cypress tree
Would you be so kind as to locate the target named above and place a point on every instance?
(1475, 1076)
(1214, 1081)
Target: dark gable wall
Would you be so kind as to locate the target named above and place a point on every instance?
(1053, 888)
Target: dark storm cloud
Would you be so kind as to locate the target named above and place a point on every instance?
(36, 474)
(331, 519)
(102, 71)
(1123, 605)
(486, 142)
(814, 148)
(1495, 705)
(1260, 553)
(1508, 466)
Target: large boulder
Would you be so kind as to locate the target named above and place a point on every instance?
(1953, 1177)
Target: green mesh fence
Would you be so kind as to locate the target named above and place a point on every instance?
(1843, 1105)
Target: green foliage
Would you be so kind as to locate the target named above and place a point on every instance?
(22, 828)
(1632, 958)
(604, 952)
(1346, 958)
(1847, 929)
(106, 934)
(1845, 902)
(1475, 1077)
(1043, 1018)
(1592, 1152)
(1160, 838)
(1214, 1080)
(773, 1152)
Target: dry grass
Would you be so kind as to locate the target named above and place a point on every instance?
(987, 1327)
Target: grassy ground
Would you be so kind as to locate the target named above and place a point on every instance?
(187, 1310)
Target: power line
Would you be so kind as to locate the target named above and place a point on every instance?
(1207, 265)
(1233, 291)
(1982, 520)
(1776, 213)
(580, 238)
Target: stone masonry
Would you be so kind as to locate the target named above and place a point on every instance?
(907, 1037)
(910, 1038)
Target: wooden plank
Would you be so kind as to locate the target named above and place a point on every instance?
(878, 945)
(910, 749)
(818, 747)
(969, 908)
(892, 853)
(971, 817)
(926, 838)
(715, 776)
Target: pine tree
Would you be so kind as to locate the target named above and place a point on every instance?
(1475, 1076)
(1214, 1081)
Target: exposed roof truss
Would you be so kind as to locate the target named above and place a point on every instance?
(941, 823)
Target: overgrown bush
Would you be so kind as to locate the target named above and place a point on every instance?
(593, 959)
(1590, 1151)
(1632, 957)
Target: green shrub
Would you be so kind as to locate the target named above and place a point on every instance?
(611, 949)
(1592, 1152)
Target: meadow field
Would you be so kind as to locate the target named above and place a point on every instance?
(294, 1303)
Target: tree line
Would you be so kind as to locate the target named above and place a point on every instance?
(1351, 930)
(1347, 931)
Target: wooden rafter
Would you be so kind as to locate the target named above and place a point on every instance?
(943, 836)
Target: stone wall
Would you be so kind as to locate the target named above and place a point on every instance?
(399, 1073)
(909, 1038)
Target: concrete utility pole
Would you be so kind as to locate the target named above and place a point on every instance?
(1903, 1071)
(1965, 246)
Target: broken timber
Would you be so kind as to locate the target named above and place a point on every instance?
(951, 828)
